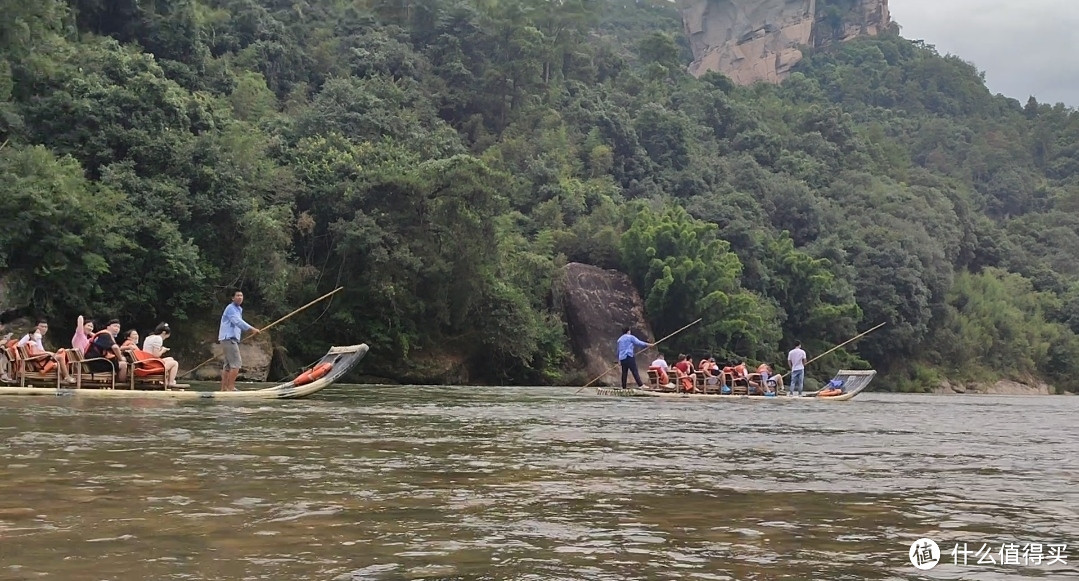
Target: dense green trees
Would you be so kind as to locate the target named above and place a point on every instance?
(442, 159)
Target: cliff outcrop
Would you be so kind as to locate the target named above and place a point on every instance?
(761, 40)
(598, 304)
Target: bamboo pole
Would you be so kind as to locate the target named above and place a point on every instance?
(267, 327)
(637, 353)
(848, 341)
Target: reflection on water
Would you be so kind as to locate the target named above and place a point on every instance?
(387, 483)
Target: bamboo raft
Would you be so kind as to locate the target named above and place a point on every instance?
(853, 382)
(342, 359)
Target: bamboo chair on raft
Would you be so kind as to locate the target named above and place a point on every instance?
(36, 369)
(655, 381)
(145, 372)
(86, 377)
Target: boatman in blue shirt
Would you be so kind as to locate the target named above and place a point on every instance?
(232, 327)
(627, 345)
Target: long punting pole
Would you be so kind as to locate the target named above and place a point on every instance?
(638, 353)
(268, 327)
(851, 340)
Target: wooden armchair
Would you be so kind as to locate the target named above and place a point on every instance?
(756, 384)
(708, 383)
(84, 376)
(35, 369)
(739, 385)
(653, 380)
(8, 366)
(146, 373)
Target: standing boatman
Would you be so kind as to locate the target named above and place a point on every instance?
(626, 344)
(232, 327)
(797, 360)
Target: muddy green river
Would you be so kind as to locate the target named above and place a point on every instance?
(387, 483)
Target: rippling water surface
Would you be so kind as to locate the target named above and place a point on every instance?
(532, 484)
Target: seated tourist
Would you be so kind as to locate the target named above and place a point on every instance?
(5, 364)
(708, 370)
(770, 380)
(705, 366)
(34, 346)
(84, 329)
(105, 353)
(714, 368)
(756, 386)
(684, 368)
(153, 365)
(660, 367)
(154, 345)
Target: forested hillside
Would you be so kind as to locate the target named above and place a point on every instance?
(441, 159)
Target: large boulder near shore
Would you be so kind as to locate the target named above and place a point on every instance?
(597, 304)
(256, 353)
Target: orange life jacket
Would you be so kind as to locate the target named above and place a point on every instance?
(94, 351)
(312, 374)
(153, 365)
(42, 365)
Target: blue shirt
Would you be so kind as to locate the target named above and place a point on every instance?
(626, 343)
(232, 323)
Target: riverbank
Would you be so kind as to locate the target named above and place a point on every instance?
(1001, 387)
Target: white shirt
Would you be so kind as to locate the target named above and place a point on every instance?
(660, 363)
(34, 338)
(797, 359)
(153, 345)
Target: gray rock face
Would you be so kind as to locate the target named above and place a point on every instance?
(598, 304)
(760, 40)
(256, 354)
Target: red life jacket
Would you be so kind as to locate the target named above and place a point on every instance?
(310, 375)
(94, 351)
(42, 365)
(153, 365)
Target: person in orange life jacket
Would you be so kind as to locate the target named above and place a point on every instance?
(741, 371)
(626, 346)
(32, 342)
(131, 343)
(660, 367)
(5, 365)
(103, 346)
(775, 382)
(684, 367)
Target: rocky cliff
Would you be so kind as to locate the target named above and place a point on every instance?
(598, 304)
(760, 40)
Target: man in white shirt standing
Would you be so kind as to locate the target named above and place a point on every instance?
(797, 360)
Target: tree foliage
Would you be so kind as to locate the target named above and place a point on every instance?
(442, 159)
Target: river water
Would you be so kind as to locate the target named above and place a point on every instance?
(387, 483)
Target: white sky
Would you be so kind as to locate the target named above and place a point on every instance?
(1025, 47)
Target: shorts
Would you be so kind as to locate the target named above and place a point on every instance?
(231, 349)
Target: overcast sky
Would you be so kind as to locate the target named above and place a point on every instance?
(1025, 47)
